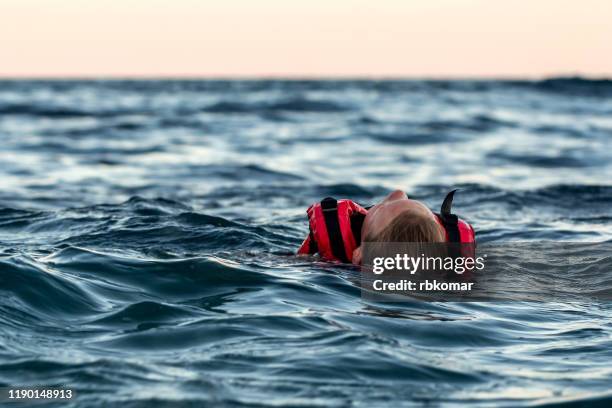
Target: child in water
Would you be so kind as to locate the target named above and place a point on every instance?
(337, 226)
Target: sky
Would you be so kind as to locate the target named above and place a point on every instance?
(305, 38)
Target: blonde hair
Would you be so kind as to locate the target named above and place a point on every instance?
(409, 226)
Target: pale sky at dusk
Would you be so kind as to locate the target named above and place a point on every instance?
(310, 38)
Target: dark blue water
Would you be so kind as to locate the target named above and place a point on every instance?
(147, 231)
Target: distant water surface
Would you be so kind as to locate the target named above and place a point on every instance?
(147, 231)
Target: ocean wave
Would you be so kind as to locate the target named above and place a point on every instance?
(50, 112)
(289, 105)
(576, 86)
(148, 232)
(44, 292)
(58, 112)
(540, 160)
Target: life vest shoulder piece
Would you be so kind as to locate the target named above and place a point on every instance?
(335, 229)
(457, 230)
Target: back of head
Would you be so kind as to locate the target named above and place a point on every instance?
(409, 226)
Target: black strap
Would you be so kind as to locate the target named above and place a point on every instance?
(445, 209)
(313, 248)
(451, 226)
(329, 206)
(450, 220)
(357, 220)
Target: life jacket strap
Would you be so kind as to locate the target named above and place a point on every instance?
(329, 206)
(357, 220)
(313, 248)
(449, 220)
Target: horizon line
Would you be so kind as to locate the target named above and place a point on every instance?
(271, 77)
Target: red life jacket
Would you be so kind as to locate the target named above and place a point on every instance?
(335, 228)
